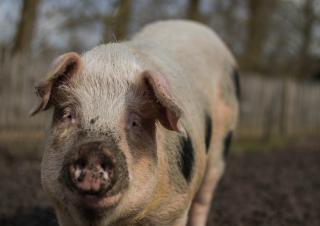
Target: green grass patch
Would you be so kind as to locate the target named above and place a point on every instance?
(254, 145)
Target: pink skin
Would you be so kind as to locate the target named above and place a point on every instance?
(93, 202)
(161, 88)
(201, 205)
(100, 203)
(91, 182)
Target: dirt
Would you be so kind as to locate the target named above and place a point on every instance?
(274, 188)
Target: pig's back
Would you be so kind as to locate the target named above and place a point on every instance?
(192, 57)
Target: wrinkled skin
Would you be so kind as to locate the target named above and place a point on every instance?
(137, 133)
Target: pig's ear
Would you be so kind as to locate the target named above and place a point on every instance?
(62, 70)
(168, 112)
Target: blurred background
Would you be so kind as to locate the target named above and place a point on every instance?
(275, 156)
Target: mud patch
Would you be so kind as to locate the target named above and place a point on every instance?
(276, 188)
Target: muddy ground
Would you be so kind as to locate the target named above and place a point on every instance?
(274, 188)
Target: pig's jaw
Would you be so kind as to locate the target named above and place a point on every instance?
(89, 210)
(94, 202)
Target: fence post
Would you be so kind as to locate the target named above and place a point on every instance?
(283, 121)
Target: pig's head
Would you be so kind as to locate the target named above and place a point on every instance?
(101, 150)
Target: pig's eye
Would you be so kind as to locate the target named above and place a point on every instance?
(69, 115)
(134, 121)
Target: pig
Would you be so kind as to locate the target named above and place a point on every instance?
(140, 129)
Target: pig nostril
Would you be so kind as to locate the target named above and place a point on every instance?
(106, 164)
(81, 177)
(81, 163)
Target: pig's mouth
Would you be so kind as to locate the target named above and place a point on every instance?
(96, 202)
(109, 196)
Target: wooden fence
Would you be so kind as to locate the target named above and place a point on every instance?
(279, 107)
(268, 106)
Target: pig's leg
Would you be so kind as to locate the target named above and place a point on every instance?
(224, 119)
(201, 204)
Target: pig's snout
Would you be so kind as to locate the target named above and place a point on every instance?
(92, 169)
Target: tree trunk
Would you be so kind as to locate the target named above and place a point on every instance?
(116, 27)
(307, 28)
(193, 12)
(25, 29)
(122, 19)
(258, 13)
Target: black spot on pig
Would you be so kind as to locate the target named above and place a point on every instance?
(208, 132)
(93, 120)
(227, 142)
(187, 157)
